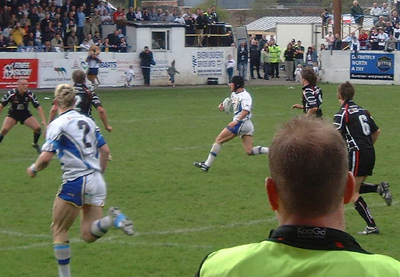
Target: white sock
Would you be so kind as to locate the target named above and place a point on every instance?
(62, 252)
(213, 154)
(100, 227)
(258, 150)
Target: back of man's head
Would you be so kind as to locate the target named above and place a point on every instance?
(79, 77)
(346, 91)
(309, 165)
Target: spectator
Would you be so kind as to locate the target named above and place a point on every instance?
(6, 16)
(57, 43)
(395, 18)
(323, 47)
(90, 27)
(358, 14)
(254, 60)
(114, 39)
(153, 14)
(311, 57)
(146, 61)
(90, 39)
(261, 42)
(138, 14)
(18, 34)
(106, 45)
(200, 25)
(373, 39)
(243, 59)
(28, 38)
(385, 12)
(33, 16)
(80, 24)
(230, 65)
(266, 60)
(388, 28)
(117, 15)
(326, 17)
(179, 19)
(159, 14)
(330, 39)
(189, 30)
(97, 39)
(214, 13)
(3, 42)
(298, 54)
(130, 15)
(47, 47)
(382, 38)
(122, 46)
(84, 46)
(396, 31)
(105, 17)
(380, 23)
(145, 15)
(337, 45)
(391, 43)
(72, 41)
(363, 39)
(96, 18)
(375, 13)
(289, 62)
(167, 17)
(172, 72)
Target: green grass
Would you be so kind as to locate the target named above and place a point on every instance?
(180, 213)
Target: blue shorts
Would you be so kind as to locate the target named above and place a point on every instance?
(93, 71)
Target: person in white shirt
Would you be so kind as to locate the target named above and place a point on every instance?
(297, 73)
(375, 13)
(83, 155)
(179, 19)
(129, 76)
(230, 65)
(241, 125)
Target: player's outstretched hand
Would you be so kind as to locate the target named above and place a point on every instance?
(296, 106)
(221, 107)
(109, 128)
(30, 172)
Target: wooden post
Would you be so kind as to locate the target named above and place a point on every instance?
(337, 8)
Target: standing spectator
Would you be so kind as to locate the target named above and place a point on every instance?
(130, 15)
(243, 59)
(189, 30)
(145, 15)
(363, 38)
(385, 12)
(289, 62)
(146, 61)
(254, 60)
(167, 17)
(330, 39)
(230, 65)
(266, 60)
(382, 38)
(214, 13)
(298, 54)
(179, 19)
(90, 27)
(200, 25)
(153, 14)
(373, 39)
(358, 14)
(391, 43)
(33, 16)
(275, 52)
(262, 42)
(311, 57)
(326, 17)
(80, 24)
(375, 13)
(138, 14)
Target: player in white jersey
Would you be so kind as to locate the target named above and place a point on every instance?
(83, 155)
(129, 76)
(240, 126)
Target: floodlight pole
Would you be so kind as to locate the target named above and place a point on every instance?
(337, 8)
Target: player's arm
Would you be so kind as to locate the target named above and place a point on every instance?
(41, 163)
(1, 108)
(297, 106)
(312, 111)
(241, 116)
(42, 116)
(103, 117)
(375, 135)
(104, 154)
(53, 113)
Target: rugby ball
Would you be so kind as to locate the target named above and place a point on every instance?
(227, 103)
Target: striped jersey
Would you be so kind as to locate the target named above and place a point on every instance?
(241, 101)
(312, 98)
(76, 141)
(84, 99)
(299, 251)
(356, 126)
(19, 102)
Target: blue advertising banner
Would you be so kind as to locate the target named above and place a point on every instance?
(372, 66)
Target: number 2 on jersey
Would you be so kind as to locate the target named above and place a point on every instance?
(364, 124)
(83, 124)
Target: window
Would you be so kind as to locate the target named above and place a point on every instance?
(160, 40)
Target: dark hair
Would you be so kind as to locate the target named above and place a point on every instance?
(238, 81)
(346, 91)
(309, 164)
(78, 76)
(309, 74)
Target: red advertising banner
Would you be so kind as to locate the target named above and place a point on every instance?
(13, 69)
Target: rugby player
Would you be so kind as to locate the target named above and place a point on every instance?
(312, 94)
(83, 154)
(19, 99)
(240, 126)
(360, 132)
(308, 189)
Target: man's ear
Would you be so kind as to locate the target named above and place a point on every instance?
(272, 193)
(349, 191)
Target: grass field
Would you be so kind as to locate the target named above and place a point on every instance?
(180, 213)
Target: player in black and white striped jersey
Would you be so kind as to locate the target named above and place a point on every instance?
(360, 132)
(312, 94)
(19, 99)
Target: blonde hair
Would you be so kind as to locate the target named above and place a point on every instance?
(65, 96)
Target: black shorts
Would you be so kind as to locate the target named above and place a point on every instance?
(93, 71)
(20, 116)
(362, 162)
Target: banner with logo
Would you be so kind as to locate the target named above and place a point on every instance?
(208, 63)
(11, 70)
(372, 66)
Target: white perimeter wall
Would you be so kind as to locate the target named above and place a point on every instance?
(286, 32)
(336, 68)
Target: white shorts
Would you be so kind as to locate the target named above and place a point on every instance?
(129, 78)
(243, 128)
(85, 190)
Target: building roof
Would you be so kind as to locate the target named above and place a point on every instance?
(268, 23)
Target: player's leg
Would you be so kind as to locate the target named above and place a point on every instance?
(32, 123)
(8, 124)
(225, 136)
(64, 215)
(246, 134)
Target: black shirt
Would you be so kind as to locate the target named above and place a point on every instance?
(312, 98)
(356, 126)
(85, 99)
(18, 102)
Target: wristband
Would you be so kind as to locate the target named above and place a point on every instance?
(33, 169)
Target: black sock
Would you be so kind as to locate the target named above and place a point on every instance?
(363, 210)
(368, 188)
(36, 137)
(1, 138)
